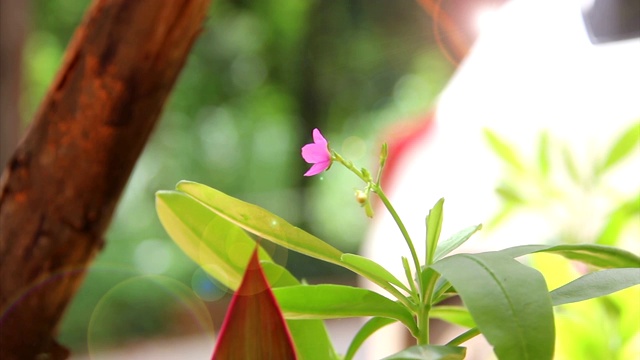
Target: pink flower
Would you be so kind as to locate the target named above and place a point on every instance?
(317, 154)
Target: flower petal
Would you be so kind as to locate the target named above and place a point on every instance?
(313, 153)
(318, 138)
(317, 168)
(317, 153)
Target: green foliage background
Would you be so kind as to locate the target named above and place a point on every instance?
(261, 76)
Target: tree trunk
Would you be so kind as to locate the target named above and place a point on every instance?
(13, 28)
(59, 189)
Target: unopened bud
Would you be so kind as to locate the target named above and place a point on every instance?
(384, 153)
(361, 197)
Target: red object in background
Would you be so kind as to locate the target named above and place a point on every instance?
(400, 139)
(254, 327)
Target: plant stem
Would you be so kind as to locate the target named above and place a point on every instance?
(407, 271)
(423, 325)
(467, 335)
(428, 278)
(401, 226)
(378, 190)
(349, 165)
(421, 310)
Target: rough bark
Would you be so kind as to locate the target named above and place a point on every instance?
(13, 28)
(59, 189)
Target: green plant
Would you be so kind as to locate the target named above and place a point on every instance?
(506, 301)
(578, 198)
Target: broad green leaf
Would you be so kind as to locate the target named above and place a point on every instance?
(434, 225)
(543, 154)
(452, 243)
(430, 352)
(266, 225)
(508, 301)
(372, 270)
(310, 336)
(278, 275)
(374, 324)
(261, 222)
(596, 284)
(629, 140)
(338, 301)
(454, 314)
(312, 340)
(601, 256)
(221, 248)
(253, 307)
(504, 150)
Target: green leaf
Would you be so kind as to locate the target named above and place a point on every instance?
(504, 150)
(372, 270)
(268, 226)
(434, 225)
(221, 248)
(261, 222)
(629, 140)
(253, 306)
(452, 243)
(442, 290)
(543, 154)
(508, 301)
(454, 314)
(618, 218)
(338, 301)
(310, 336)
(369, 328)
(601, 256)
(430, 352)
(277, 275)
(570, 164)
(509, 194)
(429, 279)
(596, 284)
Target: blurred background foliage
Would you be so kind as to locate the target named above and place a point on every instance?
(261, 76)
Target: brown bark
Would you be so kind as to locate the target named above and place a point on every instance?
(13, 29)
(60, 188)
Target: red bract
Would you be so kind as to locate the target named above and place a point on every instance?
(254, 327)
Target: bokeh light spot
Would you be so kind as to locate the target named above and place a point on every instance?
(153, 256)
(354, 148)
(206, 287)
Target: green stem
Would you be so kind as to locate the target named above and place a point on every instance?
(428, 277)
(386, 286)
(423, 325)
(349, 165)
(398, 221)
(378, 190)
(407, 272)
(465, 336)
(375, 187)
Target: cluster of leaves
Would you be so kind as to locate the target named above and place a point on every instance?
(540, 183)
(505, 300)
(556, 180)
